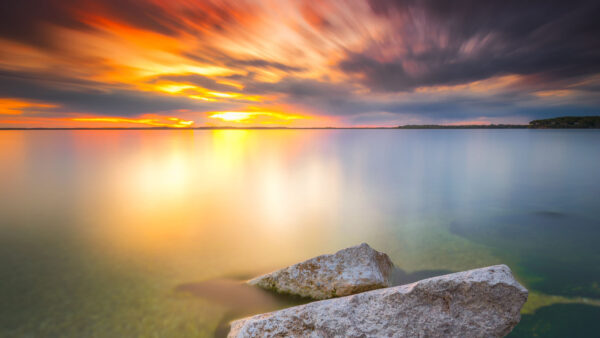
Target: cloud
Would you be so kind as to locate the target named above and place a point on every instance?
(448, 43)
(360, 62)
(27, 20)
(91, 97)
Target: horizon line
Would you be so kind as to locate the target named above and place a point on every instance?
(425, 126)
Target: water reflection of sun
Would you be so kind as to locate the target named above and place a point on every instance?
(171, 195)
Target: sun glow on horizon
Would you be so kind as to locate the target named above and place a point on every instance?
(262, 117)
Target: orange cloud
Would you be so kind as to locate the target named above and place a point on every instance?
(121, 49)
(10, 106)
(199, 93)
(555, 93)
(148, 120)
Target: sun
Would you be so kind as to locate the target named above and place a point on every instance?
(261, 117)
(232, 116)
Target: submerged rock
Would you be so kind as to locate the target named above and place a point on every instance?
(483, 302)
(348, 271)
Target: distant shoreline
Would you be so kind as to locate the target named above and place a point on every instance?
(569, 122)
(408, 127)
(282, 128)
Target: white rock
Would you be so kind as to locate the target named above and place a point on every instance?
(483, 302)
(348, 271)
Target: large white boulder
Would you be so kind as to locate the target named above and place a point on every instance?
(483, 302)
(348, 271)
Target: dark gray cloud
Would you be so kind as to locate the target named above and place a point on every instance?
(24, 20)
(342, 100)
(263, 64)
(454, 42)
(228, 61)
(298, 88)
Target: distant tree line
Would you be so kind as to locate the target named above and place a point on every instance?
(468, 126)
(567, 122)
(558, 122)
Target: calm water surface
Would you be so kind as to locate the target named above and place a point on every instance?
(150, 233)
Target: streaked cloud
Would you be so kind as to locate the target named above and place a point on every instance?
(364, 62)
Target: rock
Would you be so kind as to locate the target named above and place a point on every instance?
(348, 271)
(483, 302)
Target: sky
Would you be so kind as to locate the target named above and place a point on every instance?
(183, 63)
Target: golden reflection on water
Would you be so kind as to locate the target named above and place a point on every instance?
(194, 203)
(202, 204)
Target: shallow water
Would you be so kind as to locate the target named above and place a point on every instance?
(150, 233)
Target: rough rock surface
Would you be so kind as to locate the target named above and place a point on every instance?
(348, 271)
(483, 302)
